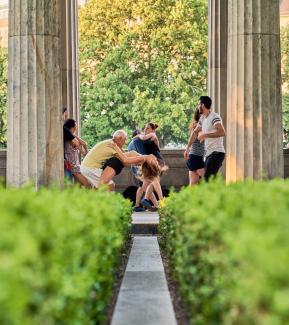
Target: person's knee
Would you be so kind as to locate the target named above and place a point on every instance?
(140, 191)
(145, 185)
(107, 175)
(200, 172)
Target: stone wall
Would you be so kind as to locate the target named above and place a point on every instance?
(176, 176)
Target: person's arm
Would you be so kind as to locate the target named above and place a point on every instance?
(75, 143)
(151, 136)
(192, 139)
(146, 136)
(133, 158)
(83, 146)
(132, 153)
(68, 136)
(126, 159)
(219, 132)
(156, 141)
(82, 143)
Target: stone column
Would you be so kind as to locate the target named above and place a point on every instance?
(217, 69)
(35, 149)
(254, 119)
(70, 61)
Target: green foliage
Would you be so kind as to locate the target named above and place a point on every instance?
(3, 96)
(229, 251)
(285, 80)
(58, 254)
(285, 112)
(285, 54)
(141, 61)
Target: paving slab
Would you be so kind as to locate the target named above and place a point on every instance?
(145, 218)
(145, 223)
(144, 298)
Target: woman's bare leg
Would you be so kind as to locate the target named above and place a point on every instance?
(151, 196)
(157, 187)
(201, 172)
(140, 191)
(139, 194)
(194, 177)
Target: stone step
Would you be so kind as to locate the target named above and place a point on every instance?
(144, 223)
(144, 298)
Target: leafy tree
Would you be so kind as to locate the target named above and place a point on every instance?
(3, 96)
(141, 61)
(285, 80)
(285, 109)
(285, 55)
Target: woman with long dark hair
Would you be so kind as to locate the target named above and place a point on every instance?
(195, 160)
(71, 154)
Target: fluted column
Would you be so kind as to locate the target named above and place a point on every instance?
(254, 126)
(70, 61)
(35, 147)
(217, 69)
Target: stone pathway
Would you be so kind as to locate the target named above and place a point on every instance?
(144, 298)
(145, 218)
(145, 223)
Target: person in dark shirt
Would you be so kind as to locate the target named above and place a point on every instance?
(150, 145)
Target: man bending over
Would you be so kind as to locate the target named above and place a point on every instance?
(106, 159)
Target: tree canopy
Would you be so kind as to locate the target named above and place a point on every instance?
(285, 80)
(141, 61)
(3, 96)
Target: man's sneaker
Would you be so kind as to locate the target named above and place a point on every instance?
(146, 203)
(138, 209)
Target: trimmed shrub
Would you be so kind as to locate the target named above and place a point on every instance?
(58, 254)
(229, 251)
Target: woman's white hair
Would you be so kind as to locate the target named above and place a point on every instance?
(119, 134)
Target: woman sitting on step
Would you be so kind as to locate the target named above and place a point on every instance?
(72, 154)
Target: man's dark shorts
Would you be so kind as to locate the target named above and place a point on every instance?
(213, 163)
(195, 162)
(115, 164)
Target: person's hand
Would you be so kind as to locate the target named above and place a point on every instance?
(150, 158)
(112, 144)
(186, 154)
(201, 136)
(83, 151)
(83, 143)
(84, 147)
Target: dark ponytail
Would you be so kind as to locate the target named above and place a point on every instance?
(154, 126)
(197, 115)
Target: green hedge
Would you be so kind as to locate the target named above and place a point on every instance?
(58, 254)
(229, 251)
